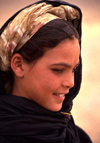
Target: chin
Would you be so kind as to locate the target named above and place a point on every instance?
(55, 108)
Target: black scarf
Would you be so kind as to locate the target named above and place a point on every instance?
(24, 118)
(24, 121)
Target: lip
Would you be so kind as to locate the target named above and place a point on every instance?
(59, 96)
(61, 93)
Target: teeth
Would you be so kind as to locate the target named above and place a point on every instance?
(60, 95)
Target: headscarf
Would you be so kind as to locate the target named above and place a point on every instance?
(59, 126)
(26, 24)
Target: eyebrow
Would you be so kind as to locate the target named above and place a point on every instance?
(64, 64)
(61, 64)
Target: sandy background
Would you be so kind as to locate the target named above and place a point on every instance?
(86, 109)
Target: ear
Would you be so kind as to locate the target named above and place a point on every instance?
(17, 65)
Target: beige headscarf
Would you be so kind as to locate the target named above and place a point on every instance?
(26, 24)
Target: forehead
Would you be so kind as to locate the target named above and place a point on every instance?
(67, 49)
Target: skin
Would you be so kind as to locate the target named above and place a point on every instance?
(50, 77)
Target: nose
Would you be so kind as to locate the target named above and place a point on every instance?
(68, 81)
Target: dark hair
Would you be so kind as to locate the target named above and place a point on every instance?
(48, 36)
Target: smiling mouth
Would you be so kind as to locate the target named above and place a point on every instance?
(59, 95)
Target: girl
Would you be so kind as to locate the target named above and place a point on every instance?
(41, 71)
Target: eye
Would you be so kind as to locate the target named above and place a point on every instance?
(58, 70)
(75, 69)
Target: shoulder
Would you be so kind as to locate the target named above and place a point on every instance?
(83, 136)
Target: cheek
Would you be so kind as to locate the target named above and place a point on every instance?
(44, 80)
(50, 82)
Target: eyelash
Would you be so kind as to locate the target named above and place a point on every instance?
(58, 70)
(75, 69)
(61, 70)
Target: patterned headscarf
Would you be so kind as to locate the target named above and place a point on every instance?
(26, 24)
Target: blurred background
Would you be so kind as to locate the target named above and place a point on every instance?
(86, 108)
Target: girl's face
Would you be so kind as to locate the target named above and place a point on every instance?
(51, 77)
